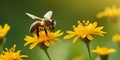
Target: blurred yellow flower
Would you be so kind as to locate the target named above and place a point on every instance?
(103, 51)
(111, 13)
(42, 39)
(85, 30)
(116, 38)
(4, 30)
(11, 54)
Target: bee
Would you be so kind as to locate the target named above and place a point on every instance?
(45, 23)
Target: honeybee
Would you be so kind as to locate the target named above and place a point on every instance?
(45, 23)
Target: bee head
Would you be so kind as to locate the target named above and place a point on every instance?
(53, 23)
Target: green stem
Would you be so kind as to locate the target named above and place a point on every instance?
(47, 54)
(42, 46)
(105, 57)
(86, 41)
(87, 44)
(2, 42)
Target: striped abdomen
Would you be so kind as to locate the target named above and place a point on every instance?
(35, 26)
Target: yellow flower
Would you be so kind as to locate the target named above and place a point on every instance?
(103, 51)
(85, 30)
(116, 38)
(4, 30)
(42, 39)
(111, 13)
(11, 54)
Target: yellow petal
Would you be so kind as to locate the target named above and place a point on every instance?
(99, 34)
(99, 28)
(57, 32)
(6, 27)
(68, 36)
(23, 56)
(90, 37)
(94, 25)
(4, 30)
(112, 50)
(70, 32)
(87, 22)
(47, 43)
(57, 35)
(33, 45)
(27, 43)
(75, 39)
(0, 27)
(83, 36)
(57, 39)
(28, 38)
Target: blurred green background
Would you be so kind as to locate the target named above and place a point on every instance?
(65, 13)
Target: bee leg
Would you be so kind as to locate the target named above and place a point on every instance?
(45, 32)
(37, 32)
(51, 29)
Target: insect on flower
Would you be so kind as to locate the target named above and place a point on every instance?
(45, 23)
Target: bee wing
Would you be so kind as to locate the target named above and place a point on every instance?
(32, 16)
(48, 14)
